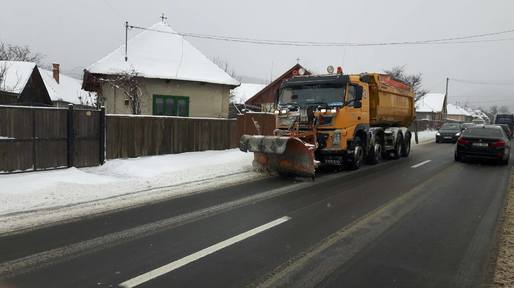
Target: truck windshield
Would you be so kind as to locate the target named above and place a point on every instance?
(306, 95)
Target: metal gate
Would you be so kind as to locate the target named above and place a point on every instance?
(42, 138)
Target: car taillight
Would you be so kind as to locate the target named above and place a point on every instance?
(462, 141)
(498, 144)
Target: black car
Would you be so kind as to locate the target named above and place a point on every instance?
(449, 132)
(468, 125)
(483, 142)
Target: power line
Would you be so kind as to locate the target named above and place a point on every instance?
(487, 101)
(480, 82)
(449, 40)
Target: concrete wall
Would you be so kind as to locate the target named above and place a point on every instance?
(205, 100)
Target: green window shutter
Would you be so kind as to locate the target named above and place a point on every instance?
(171, 105)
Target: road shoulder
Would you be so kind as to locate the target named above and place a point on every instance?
(504, 268)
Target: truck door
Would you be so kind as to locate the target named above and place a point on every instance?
(354, 100)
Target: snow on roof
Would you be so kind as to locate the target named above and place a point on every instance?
(246, 91)
(431, 102)
(453, 109)
(164, 55)
(477, 113)
(68, 89)
(17, 73)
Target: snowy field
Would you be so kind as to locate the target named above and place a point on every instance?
(35, 198)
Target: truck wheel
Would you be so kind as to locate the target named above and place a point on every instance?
(406, 146)
(375, 154)
(397, 152)
(357, 156)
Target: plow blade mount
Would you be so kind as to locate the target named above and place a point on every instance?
(285, 155)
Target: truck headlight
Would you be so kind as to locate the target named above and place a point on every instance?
(336, 138)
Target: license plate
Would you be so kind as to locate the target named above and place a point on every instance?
(448, 137)
(481, 145)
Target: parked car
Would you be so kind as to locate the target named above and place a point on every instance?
(468, 125)
(507, 129)
(449, 132)
(483, 142)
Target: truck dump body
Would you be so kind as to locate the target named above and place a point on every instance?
(391, 102)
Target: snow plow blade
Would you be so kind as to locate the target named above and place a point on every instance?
(285, 155)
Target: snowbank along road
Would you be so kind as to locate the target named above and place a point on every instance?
(425, 221)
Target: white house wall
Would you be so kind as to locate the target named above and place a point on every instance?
(205, 100)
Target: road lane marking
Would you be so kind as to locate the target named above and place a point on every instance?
(317, 263)
(200, 254)
(421, 164)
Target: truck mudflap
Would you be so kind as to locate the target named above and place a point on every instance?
(285, 155)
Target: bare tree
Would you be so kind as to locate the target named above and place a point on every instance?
(130, 84)
(503, 109)
(493, 110)
(414, 80)
(226, 67)
(3, 71)
(19, 53)
(9, 52)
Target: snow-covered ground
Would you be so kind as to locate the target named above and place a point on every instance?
(426, 136)
(39, 197)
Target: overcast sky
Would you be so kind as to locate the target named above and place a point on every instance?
(79, 32)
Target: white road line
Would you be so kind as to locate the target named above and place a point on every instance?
(420, 164)
(200, 254)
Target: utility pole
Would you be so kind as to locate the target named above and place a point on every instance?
(126, 40)
(447, 80)
(446, 96)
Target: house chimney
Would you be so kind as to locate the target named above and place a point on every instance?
(55, 70)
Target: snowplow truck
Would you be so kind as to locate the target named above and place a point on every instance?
(335, 120)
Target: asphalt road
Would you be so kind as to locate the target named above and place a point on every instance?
(424, 221)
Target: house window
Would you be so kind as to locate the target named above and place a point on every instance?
(170, 105)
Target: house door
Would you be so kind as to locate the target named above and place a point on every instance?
(171, 105)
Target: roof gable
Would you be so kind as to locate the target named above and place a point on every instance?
(245, 91)
(16, 76)
(457, 110)
(275, 85)
(19, 73)
(161, 53)
(67, 90)
(431, 102)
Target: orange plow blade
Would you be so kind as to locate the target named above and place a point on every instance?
(285, 155)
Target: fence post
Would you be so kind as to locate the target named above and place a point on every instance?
(70, 140)
(102, 136)
(34, 140)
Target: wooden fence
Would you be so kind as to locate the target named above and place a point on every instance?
(256, 123)
(132, 136)
(33, 138)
